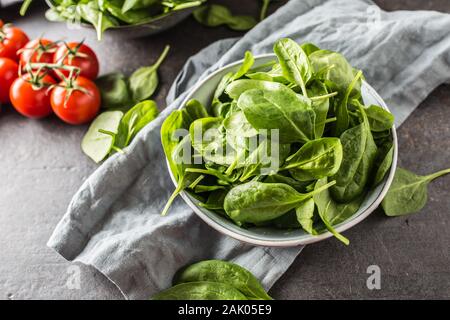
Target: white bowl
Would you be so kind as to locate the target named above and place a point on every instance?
(272, 237)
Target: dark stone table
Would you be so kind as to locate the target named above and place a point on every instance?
(41, 167)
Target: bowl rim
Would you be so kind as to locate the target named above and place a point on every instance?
(312, 238)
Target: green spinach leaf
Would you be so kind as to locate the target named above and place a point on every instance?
(408, 192)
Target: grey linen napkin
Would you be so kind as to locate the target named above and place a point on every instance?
(113, 222)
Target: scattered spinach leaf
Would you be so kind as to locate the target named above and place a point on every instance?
(408, 192)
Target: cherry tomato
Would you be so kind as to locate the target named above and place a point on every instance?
(82, 104)
(29, 101)
(12, 39)
(38, 51)
(78, 55)
(8, 73)
(1, 23)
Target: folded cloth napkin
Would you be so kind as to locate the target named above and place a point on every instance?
(113, 222)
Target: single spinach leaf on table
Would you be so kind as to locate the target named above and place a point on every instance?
(100, 138)
(114, 90)
(144, 81)
(134, 120)
(315, 159)
(294, 63)
(223, 272)
(256, 202)
(283, 110)
(408, 192)
(202, 290)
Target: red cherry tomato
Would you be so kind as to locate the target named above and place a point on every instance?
(12, 39)
(29, 101)
(8, 73)
(82, 104)
(78, 55)
(1, 23)
(38, 51)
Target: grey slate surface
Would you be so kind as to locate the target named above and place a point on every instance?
(42, 166)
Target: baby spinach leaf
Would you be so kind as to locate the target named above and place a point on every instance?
(114, 90)
(337, 71)
(192, 111)
(245, 67)
(168, 139)
(359, 156)
(316, 159)
(294, 63)
(144, 81)
(282, 110)
(238, 87)
(320, 107)
(185, 178)
(202, 290)
(215, 200)
(137, 4)
(134, 120)
(328, 210)
(224, 272)
(300, 186)
(268, 155)
(379, 119)
(286, 221)
(408, 192)
(99, 139)
(216, 15)
(92, 13)
(309, 48)
(383, 162)
(305, 215)
(256, 202)
(129, 17)
(237, 125)
(342, 119)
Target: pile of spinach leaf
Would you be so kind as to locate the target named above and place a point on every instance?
(328, 151)
(106, 14)
(114, 129)
(214, 280)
